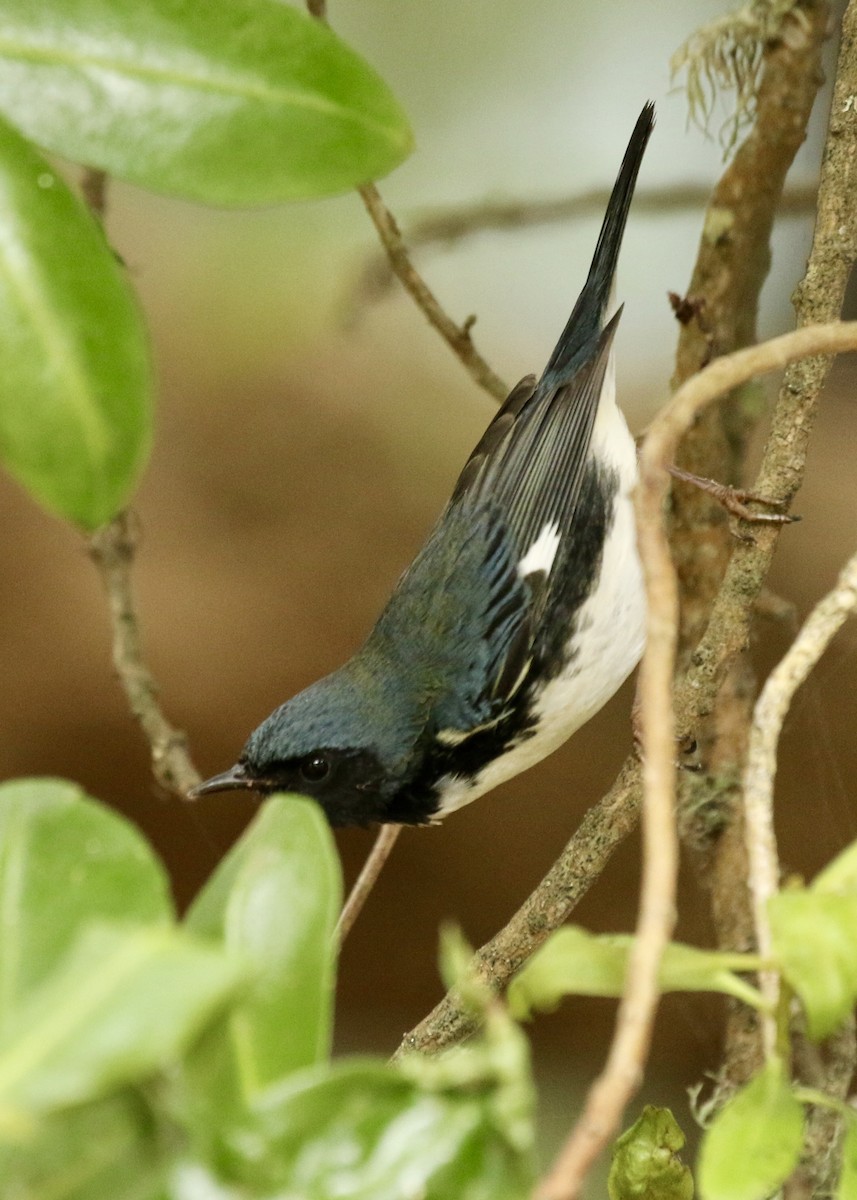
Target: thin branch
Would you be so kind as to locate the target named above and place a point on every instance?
(447, 226)
(112, 549)
(366, 880)
(457, 337)
(822, 624)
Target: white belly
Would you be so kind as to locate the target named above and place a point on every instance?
(608, 639)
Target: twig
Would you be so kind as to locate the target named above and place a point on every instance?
(457, 337)
(447, 226)
(816, 634)
(374, 864)
(112, 550)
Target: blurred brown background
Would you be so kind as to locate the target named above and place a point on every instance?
(299, 464)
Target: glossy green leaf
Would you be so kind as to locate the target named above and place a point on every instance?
(754, 1142)
(846, 1187)
(229, 102)
(65, 860)
(575, 962)
(646, 1163)
(839, 876)
(125, 1003)
(815, 941)
(274, 900)
(75, 395)
(107, 1150)
(362, 1130)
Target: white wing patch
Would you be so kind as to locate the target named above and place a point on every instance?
(541, 554)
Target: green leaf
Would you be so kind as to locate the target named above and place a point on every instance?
(362, 1130)
(75, 396)
(125, 1003)
(65, 860)
(840, 875)
(575, 962)
(646, 1163)
(815, 941)
(228, 102)
(274, 900)
(754, 1142)
(846, 1188)
(107, 1150)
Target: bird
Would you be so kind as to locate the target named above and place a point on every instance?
(520, 617)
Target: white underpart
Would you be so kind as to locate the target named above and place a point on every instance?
(609, 626)
(541, 554)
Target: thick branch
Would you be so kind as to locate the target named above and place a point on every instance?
(604, 827)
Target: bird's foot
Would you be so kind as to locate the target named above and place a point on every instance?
(735, 500)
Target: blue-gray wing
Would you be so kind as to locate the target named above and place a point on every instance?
(474, 615)
(530, 461)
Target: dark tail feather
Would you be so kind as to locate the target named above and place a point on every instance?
(586, 318)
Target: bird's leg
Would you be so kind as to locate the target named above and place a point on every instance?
(735, 500)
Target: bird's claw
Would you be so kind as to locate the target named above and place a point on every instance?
(735, 500)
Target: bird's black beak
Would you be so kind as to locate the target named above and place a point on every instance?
(227, 781)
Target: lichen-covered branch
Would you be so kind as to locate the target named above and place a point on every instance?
(732, 264)
(587, 853)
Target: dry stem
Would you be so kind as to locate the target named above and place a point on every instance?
(447, 226)
(366, 880)
(823, 622)
(457, 337)
(112, 549)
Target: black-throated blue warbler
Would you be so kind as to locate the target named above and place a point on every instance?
(519, 618)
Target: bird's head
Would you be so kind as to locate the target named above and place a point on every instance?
(330, 742)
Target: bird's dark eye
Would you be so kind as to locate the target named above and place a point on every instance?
(315, 768)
